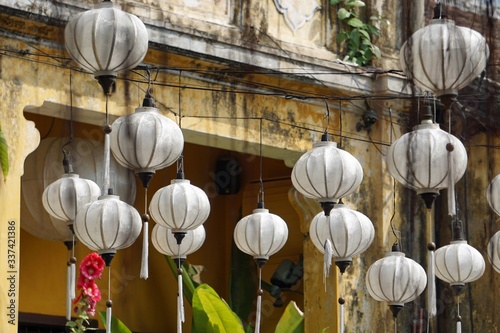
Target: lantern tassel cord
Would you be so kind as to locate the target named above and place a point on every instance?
(459, 318)
(180, 302)
(452, 210)
(69, 302)
(145, 240)
(73, 268)
(431, 284)
(106, 184)
(341, 301)
(327, 260)
(341, 314)
(259, 303)
(109, 304)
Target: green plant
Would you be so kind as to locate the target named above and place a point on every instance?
(212, 314)
(355, 36)
(116, 325)
(4, 156)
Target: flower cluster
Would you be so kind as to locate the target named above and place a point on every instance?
(90, 269)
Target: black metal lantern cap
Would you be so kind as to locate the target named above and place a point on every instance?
(429, 198)
(179, 236)
(457, 288)
(107, 83)
(145, 178)
(395, 309)
(260, 262)
(327, 206)
(343, 264)
(107, 257)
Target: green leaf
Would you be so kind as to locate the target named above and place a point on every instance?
(189, 285)
(4, 155)
(355, 22)
(242, 283)
(356, 3)
(116, 324)
(292, 320)
(212, 314)
(249, 328)
(376, 51)
(343, 13)
(334, 2)
(364, 34)
(341, 37)
(372, 30)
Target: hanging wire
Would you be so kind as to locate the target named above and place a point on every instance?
(341, 125)
(327, 117)
(260, 197)
(395, 232)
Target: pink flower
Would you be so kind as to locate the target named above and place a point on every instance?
(92, 266)
(91, 290)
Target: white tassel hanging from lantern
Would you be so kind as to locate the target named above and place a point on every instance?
(73, 278)
(459, 318)
(68, 292)
(109, 304)
(259, 303)
(452, 210)
(431, 280)
(327, 263)
(341, 314)
(180, 301)
(145, 244)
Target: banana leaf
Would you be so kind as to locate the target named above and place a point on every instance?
(211, 313)
(292, 320)
(117, 326)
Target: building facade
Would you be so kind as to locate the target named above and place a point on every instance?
(242, 79)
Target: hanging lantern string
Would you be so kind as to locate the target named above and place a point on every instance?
(395, 232)
(327, 117)
(107, 131)
(260, 196)
(71, 132)
(431, 271)
(180, 299)
(179, 97)
(259, 303)
(340, 124)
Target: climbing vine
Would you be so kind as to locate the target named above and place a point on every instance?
(356, 36)
(4, 157)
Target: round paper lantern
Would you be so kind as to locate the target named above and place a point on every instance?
(43, 167)
(63, 198)
(326, 173)
(459, 263)
(107, 225)
(166, 243)
(146, 141)
(395, 279)
(493, 194)
(180, 206)
(494, 251)
(106, 40)
(260, 234)
(420, 160)
(350, 233)
(444, 58)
